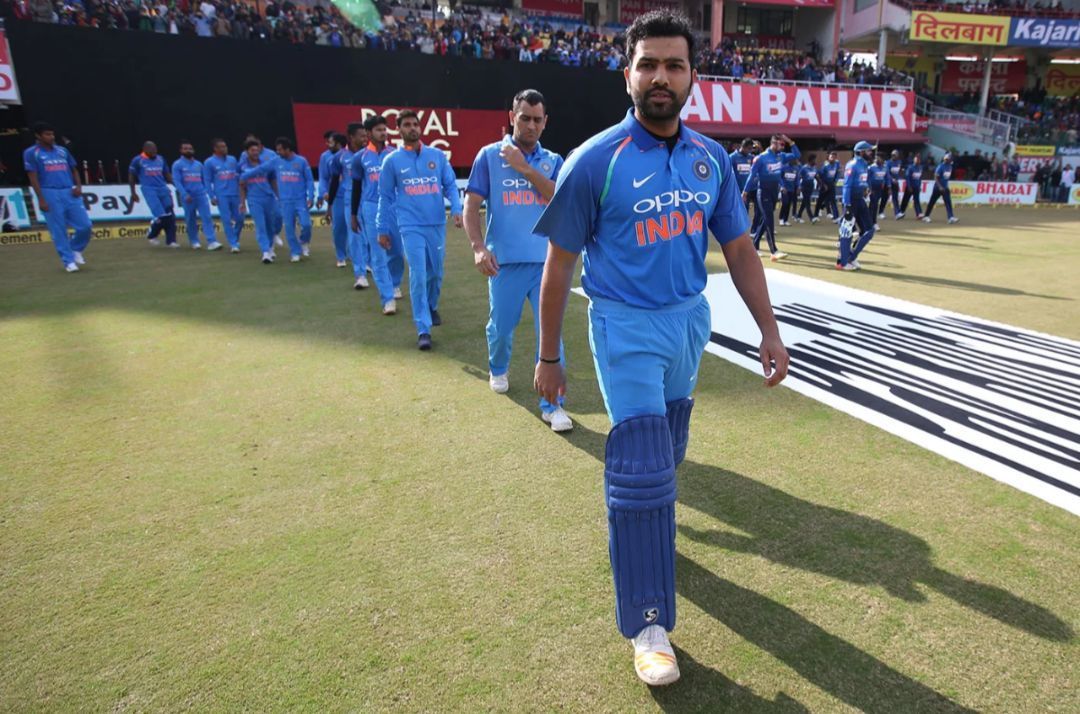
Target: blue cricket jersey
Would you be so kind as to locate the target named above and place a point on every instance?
(150, 173)
(513, 204)
(943, 173)
(52, 166)
(789, 176)
(856, 179)
(807, 177)
(344, 170)
(256, 177)
(188, 177)
(769, 165)
(325, 160)
(892, 169)
(914, 177)
(294, 179)
(876, 175)
(830, 173)
(371, 160)
(414, 182)
(640, 214)
(741, 164)
(222, 176)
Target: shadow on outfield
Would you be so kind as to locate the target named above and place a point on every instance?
(703, 689)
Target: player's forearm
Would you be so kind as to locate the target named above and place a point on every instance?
(749, 279)
(36, 185)
(472, 221)
(554, 292)
(544, 186)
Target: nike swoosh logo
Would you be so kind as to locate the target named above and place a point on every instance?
(639, 184)
(506, 166)
(404, 171)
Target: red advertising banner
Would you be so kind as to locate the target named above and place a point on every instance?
(746, 109)
(1005, 77)
(630, 9)
(9, 90)
(796, 3)
(459, 132)
(572, 8)
(764, 42)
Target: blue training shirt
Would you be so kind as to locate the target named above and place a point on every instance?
(769, 165)
(257, 177)
(943, 173)
(52, 166)
(789, 176)
(830, 173)
(913, 176)
(856, 179)
(412, 185)
(640, 214)
(876, 175)
(741, 164)
(808, 177)
(222, 176)
(371, 160)
(892, 169)
(513, 204)
(344, 170)
(150, 173)
(188, 177)
(294, 179)
(325, 160)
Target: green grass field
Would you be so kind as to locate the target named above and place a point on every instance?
(227, 486)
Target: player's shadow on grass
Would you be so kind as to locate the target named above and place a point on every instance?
(842, 545)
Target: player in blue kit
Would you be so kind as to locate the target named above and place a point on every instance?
(222, 178)
(296, 195)
(741, 161)
(876, 179)
(894, 169)
(55, 181)
(338, 229)
(856, 211)
(827, 179)
(942, 174)
(766, 173)
(258, 191)
(367, 167)
(807, 180)
(789, 190)
(412, 183)
(913, 185)
(638, 200)
(516, 178)
(357, 136)
(268, 155)
(150, 171)
(192, 193)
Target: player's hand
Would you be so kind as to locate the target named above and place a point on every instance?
(243, 207)
(485, 262)
(321, 200)
(187, 199)
(309, 204)
(549, 381)
(355, 225)
(458, 221)
(76, 190)
(43, 205)
(513, 156)
(774, 360)
(134, 198)
(384, 241)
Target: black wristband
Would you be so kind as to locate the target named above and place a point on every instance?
(551, 361)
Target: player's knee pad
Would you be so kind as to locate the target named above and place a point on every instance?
(678, 416)
(639, 480)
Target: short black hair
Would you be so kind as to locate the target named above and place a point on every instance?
(40, 127)
(747, 143)
(250, 143)
(660, 23)
(354, 127)
(185, 141)
(341, 138)
(215, 141)
(283, 141)
(530, 97)
(374, 121)
(407, 114)
(329, 133)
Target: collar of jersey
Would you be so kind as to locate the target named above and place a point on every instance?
(641, 136)
(536, 153)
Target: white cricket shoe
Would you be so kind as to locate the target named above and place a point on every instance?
(799, 220)
(954, 219)
(857, 264)
(814, 219)
(778, 255)
(926, 219)
(71, 268)
(79, 259)
(342, 263)
(360, 283)
(213, 246)
(306, 250)
(763, 253)
(880, 215)
(500, 384)
(174, 245)
(559, 420)
(654, 659)
(390, 308)
(196, 246)
(294, 258)
(849, 266)
(278, 241)
(234, 249)
(899, 216)
(877, 227)
(268, 257)
(153, 241)
(397, 294)
(783, 223)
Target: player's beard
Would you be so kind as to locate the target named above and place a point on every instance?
(661, 113)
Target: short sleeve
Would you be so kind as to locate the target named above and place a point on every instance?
(133, 167)
(569, 219)
(29, 165)
(70, 159)
(729, 219)
(558, 167)
(479, 178)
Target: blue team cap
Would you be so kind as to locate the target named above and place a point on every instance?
(863, 146)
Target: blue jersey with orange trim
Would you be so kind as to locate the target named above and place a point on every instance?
(856, 179)
(188, 177)
(513, 204)
(294, 179)
(52, 166)
(641, 214)
(741, 163)
(371, 160)
(150, 173)
(412, 185)
(222, 176)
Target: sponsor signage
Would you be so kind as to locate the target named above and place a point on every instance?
(1034, 150)
(1062, 80)
(764, 42)
(9, 89)
(460, 133)
(1074, 195)
(957, 28)
(717, 107)
(553, 7)
(13, 211)
(796, 3)
(962, 77)
(1044, 32)
(630, 9)
(984, 192)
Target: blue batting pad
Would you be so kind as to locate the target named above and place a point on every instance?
(678, 416)
(639, 483)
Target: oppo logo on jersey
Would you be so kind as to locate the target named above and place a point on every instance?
(421, 186)
(671, 199)
(418, 181)
(515, 183)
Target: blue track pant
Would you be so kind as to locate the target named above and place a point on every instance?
(232, 221)
(425, 248)
(66, 211)
(160, 203)
(296, 211)
(339, 228)
(196, 208)
(263, 211)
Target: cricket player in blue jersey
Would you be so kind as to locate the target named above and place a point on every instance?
(942, 174)
(875, 173)
(516, 178)
(150, 171)
(357, 136)
(269, 155)
(222, 178)
(789, 187)
(638, 200)
(749, 195)
(54, 179)
(258, 190)
(338, 228)
(412, 184)
(766, 171)
(913, 185)
(192, 193)
(856, 211)
(894, 168)
(296, 194)
(741, 161)
(827, 179)
(367, 167)
(807, 179)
